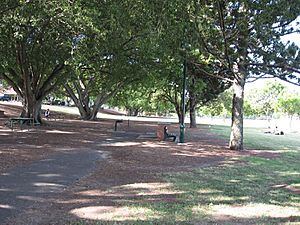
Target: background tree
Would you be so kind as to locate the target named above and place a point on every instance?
(139, 98)
(221, 106)
(263, 100)
(177, 22)
(289, 103)
(202, 89)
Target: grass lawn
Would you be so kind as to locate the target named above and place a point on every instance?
(257, 139)
(256, 191)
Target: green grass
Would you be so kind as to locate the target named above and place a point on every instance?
(245, 192)
(251, 191)
(238, 194)
(256, 138)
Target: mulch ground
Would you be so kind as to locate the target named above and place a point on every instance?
(129, 161)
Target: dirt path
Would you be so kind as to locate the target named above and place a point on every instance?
(57, 182)
(56, 174)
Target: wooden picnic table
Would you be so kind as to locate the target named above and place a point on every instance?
(20, 121)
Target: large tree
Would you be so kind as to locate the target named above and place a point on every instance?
(112, 51)
(244, 37)
(35, 43)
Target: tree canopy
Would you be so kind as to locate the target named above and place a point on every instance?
(97, 48)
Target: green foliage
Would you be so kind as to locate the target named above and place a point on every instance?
(263, 100)
(289, 103)
(138, 98)
(272, 99)
(113, 50)
(44, 31)
(106, 45)
(221, 106)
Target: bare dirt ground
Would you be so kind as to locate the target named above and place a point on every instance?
(133, 161)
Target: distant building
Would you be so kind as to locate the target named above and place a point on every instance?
(9, 92)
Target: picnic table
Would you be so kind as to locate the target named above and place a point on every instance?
(20, 121)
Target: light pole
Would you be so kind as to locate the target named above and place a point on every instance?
(182, 126)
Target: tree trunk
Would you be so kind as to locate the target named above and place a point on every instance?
(95, 109)
(81, 102)
(135, 112)
(240, 71)
(236, 136)
(192, 101)
(82, 99)
(83, 108)
(193, 122)
(32, 108)
(85, 112)
(179, 114)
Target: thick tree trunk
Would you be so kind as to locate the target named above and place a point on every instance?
(179, 114)
(82, 99)
(240, 71)
(192, 101)
(101, 99)
(81, 102)
(32, 108)
(136, 112)
(236, 136)
(85, 109)
(193, 122)
(85, 112)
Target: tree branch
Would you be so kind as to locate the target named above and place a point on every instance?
(198, 66)
(9, 8)
(222, 25)
(12, 83)
(47, 83)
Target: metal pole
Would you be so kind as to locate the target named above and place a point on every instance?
(182, 126)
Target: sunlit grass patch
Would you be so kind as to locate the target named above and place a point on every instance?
(240, 193)
(254, 210)
(112, 213)
(257, 139)
(249, 192)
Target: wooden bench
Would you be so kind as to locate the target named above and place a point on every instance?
(168, 135)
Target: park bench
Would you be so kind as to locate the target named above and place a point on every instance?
(168, 135)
